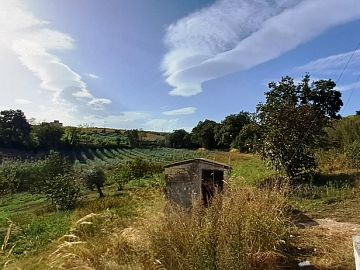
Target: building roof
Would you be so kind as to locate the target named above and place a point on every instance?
(204, 160)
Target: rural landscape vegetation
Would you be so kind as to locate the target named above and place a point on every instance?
(248, 108)
(92, 198)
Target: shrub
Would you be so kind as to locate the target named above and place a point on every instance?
(131, 170)
(353, 154)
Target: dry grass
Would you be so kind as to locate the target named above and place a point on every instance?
(326, 248)
(243, 229)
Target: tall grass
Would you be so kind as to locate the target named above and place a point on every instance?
(242, 229)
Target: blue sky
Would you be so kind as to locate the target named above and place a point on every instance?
(167, 64)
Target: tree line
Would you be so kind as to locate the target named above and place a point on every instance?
(17, 133)
(295, 121)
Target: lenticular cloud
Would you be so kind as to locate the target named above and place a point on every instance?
(234, 35)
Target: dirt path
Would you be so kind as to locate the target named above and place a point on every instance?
(326, 243)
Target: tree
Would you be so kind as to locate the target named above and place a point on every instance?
(94, 178)
(249, 138)
(178, 139)
(133, 137)
(230, 128)
(49, 135)
(14, 129)
(293, 119)
(204, 134)
(58, 182)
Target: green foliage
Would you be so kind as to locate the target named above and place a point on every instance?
(352, 152)
(249, 139)
(343, 132)
(204, 134)
(17, 176)
(178, 139)
(58, 182)
(293, 121)
(94, 178)
(133, 137)
(134, 169)
(71, 136)
(49, 135)
(14, 129)
(228, 131)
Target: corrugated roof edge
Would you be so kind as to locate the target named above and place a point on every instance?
(198, 159)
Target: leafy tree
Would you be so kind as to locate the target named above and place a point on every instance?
(230, 128)
(49, 135)
(357, 112)
(58, 182)
(178, 139)
(293, 120)
(14, 129)
(249, 138)
(95, 178)
(133, 137)
(204, 134)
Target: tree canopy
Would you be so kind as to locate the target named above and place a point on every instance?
(293, 120)
(14, 129)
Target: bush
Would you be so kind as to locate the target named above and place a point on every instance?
(134, 169)
(353, 154)
(17, 176)
(243, 229)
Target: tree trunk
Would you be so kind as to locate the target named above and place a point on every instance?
(101, 194)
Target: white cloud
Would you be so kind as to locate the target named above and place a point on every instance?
(99, 103)
(182, 111)
(35, 44)
(22, 101)
(235, 35)
(332, 63)
(162, 124)
(350, 86)
(92, 76)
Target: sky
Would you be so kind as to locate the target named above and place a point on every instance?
(168, 64)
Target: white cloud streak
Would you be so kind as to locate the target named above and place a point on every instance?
(92, 76)
(35, 45)
(235, 35)
(22, 101)
(332, 63)
(182, 111)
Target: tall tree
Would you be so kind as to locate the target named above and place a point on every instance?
(178, 139)
(14, 129)
(293, 120)
(133, 137)
(204, 134)
(230, 128)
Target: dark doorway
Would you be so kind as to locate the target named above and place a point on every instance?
(212, 182)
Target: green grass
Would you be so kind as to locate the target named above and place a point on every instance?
(250, 170)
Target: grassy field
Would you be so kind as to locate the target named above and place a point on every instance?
(118, 228)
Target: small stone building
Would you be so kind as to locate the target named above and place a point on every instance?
(194, 178)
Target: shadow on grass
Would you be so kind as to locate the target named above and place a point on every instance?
(339, 180)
